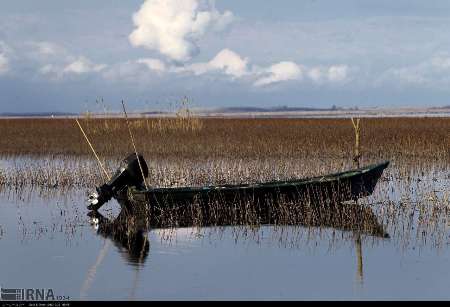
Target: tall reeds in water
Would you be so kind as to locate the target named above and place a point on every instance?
(52, 153)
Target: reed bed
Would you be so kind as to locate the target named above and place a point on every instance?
(217, 150)
(411, 200)
(424, 138)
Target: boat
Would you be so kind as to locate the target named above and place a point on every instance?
(338, 187)
(128, 184)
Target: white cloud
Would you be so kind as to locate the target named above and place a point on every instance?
(332, 74)
(49, 57)
(411, 75)
(433, 72)
(226, 61)
(4, 64)
(61, 67)
(83, 65)
(153, 64)
(230, 62)
(172, 27)
(122, 71)
(48, 69)
(47, 48)
(4, 60)
(55, 61)
(316, 74)
(281, 71)
(440, 62)
(337, 73)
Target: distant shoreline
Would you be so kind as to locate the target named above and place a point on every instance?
(245, 112)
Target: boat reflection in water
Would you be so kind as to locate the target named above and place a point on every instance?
(129, 233)
(129, 230)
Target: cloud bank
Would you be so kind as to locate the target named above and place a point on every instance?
(173, 27)
(433, 72)
(56, 62)
(236, 67)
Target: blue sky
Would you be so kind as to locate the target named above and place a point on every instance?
(62, 56)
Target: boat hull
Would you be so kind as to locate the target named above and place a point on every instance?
(335, 188)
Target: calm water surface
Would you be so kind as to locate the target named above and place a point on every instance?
(47, 240)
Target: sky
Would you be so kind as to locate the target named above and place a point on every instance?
(60, 56)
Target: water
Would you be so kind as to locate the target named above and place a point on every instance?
(47, 240)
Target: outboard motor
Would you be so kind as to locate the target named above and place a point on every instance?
(128, 174)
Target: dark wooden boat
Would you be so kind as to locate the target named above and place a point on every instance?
(337, 187)
(127, 184)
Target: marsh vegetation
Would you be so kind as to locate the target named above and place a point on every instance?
(194, 151)
(51, 156)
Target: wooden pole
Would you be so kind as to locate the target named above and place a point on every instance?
(357, 153)
(92, 148)
(134, 146)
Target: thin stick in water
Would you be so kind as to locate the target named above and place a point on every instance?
(134, 146)
(92, 148)
(357, 130)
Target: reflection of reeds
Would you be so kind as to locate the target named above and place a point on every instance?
(347, 217)
(416, 223)
(2, 177)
